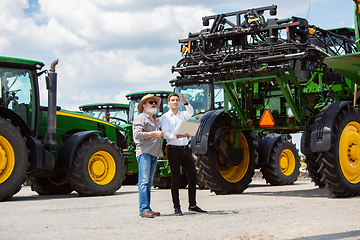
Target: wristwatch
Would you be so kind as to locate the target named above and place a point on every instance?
(186, 103)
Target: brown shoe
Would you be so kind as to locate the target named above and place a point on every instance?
(155, 213)
(147, 214)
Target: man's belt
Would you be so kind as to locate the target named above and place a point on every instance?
(180, 147)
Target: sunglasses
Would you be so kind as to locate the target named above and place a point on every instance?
(152, 102)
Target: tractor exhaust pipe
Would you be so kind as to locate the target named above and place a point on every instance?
(51, 82)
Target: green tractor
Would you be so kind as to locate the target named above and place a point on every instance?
(278, 80)
(55, 151)
(117, 114)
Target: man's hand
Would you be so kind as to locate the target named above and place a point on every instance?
(182, 136)
(159, 134)
(183, 98)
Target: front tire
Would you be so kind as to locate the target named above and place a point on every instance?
(98, 168)
(312, 165)
(50, 185)
(229, 179)
(199, 176)
(284, 164)
(340, 167)
(13, 159)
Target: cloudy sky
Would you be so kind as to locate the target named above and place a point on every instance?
(109, 48)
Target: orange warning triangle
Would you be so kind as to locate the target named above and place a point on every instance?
(267, 119)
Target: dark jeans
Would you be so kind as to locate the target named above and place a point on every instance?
(182, 157)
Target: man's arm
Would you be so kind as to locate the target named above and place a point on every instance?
(139, 130)
(189, 109)
(158, 134)
(165, 127)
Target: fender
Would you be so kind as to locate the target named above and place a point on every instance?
(67, 150)
(15, 119)
(265, 146)
(320, 140)
(200, 142)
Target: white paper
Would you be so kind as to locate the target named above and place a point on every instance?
(188, 127)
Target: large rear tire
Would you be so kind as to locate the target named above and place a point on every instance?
(50, 185)
(312, 165)
(13, 159)
(98, 167)
(200, 181)
(284, 164)
(340, 167)
(224, 178)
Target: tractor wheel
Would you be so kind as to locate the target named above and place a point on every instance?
(165, 182)
(340, 166)
(284, 164)
(50, 185)
(200, 177)
(131, 179)
(161, 182)
(312, 165)
(13, 159)
(225, 178)
(98, 167)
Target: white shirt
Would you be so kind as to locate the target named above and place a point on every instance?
(170, 124)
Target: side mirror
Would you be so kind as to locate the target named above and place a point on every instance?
(205, 22)
(273, 11)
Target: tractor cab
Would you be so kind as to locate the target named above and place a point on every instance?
(115, 113)
(19, 95)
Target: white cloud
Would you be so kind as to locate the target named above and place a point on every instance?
(121, 97)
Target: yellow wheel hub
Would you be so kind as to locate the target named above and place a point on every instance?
(349, 152)
(58, 180)
(7, 159)
(102, 167)
(287, 162)
(233, 173)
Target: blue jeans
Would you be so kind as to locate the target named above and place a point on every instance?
(147, 166)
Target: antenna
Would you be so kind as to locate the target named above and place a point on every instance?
(307, 17)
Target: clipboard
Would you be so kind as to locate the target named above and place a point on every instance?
(188, 127)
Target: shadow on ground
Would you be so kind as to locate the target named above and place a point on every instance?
(333, 236)
(37, 197)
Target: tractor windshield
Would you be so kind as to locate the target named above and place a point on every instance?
(133, 111)
(114, 116)
(97, 113)
(16, 93)
(198, 96)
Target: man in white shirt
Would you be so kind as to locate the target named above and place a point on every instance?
(178, 151)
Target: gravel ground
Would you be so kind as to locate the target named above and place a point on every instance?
(299, 211)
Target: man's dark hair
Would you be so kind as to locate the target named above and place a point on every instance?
(173, 94)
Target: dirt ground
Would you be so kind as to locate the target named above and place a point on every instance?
(299, 211)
